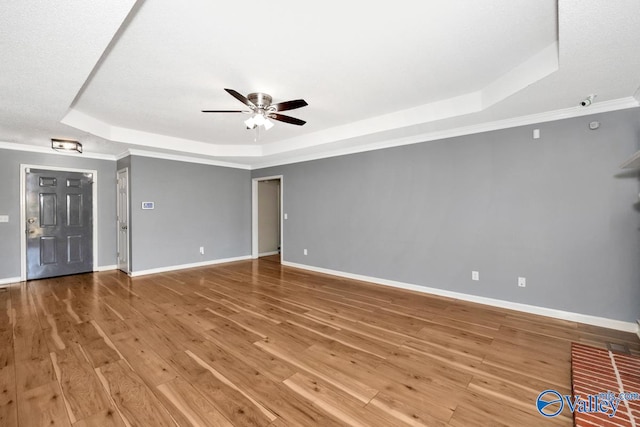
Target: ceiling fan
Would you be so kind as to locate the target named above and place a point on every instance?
(262, 110)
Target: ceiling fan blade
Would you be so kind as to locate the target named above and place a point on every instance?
(225, 111)
(241, 98)
(289, 105)
(286, 119)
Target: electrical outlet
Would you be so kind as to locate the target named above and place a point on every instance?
(304, 251)
(201, 250)
(475, 275)
(286, 216)
(522, 282)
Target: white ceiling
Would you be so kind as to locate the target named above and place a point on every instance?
(132, 75)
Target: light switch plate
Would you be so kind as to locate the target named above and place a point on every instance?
(4, 218)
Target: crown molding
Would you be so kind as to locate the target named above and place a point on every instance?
(44, 150)
(87, 123)
(181, 158)
(284, 158)
(549, 116)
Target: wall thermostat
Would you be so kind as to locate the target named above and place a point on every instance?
(594, 125)
(148, 205)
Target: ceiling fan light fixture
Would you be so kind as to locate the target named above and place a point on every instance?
(250, 123)
(268, 124)
(259, 119)
(66, 145)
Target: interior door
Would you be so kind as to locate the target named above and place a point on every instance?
(268, 217)
(59, 212)
(123, 220)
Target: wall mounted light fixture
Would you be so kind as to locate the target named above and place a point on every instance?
(66, 145)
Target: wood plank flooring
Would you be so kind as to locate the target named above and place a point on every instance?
(253, 343)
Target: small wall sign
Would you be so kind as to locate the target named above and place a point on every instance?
(148, 205)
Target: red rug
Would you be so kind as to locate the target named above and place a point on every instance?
(595, 371)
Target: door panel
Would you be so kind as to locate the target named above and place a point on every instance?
(74, 210)
(48, 209)
(74, 249)
(73, 182)
(48, 250)
(59, 223)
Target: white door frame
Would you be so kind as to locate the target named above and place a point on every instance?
(128, 268)
(23, 212)
(254, 214)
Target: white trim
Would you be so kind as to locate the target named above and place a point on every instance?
(128, 218)
(638, 328)
(254, 218)
(48, 150)
(254, 213)
(122, 155)
(543, 311)
(6, 282)
(549, 116)
(180, 158)
(283, 148)
(107, 267)
(268, 253)
(185, 266)
(23, 210)
(97, 127)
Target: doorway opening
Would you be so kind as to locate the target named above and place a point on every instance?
(267, 231)
(59, 223)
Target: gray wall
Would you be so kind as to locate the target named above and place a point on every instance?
(10, 204)
(557, 210)
(195, 205)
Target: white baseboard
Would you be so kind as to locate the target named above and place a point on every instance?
(638, 333)
(9, 280)
(107, 267)
(184, 266)
(268, 253)
(543, 311)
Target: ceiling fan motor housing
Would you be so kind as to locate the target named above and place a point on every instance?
(260, 100)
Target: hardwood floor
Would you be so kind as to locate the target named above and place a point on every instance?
(255, 343)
